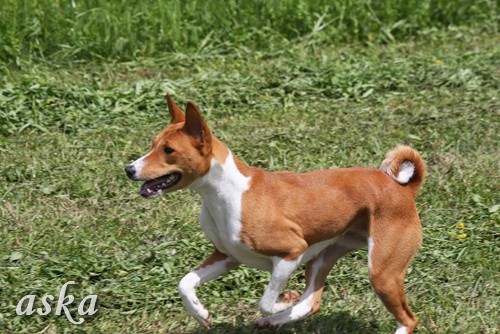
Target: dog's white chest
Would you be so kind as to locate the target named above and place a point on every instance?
(225, 233)
(222, 191)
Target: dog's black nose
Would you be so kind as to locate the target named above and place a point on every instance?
(130, 170)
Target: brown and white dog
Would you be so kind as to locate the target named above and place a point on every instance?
(276, 221)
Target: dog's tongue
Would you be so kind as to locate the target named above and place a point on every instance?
(147, 188)
(153, 188)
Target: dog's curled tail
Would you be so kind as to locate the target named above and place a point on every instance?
(405, 166)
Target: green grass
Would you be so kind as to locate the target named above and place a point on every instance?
(68, 212)
(97, 29)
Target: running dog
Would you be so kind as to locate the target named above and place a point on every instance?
(275, 221)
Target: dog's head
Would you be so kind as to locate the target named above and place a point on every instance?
(179, 154)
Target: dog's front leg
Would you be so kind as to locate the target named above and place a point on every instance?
(317, 270)
(282, 270)
(214, 266)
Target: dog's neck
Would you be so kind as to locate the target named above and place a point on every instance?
(226, 179)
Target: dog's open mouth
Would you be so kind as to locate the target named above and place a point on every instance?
(158, 186)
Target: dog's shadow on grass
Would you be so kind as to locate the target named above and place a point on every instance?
(336, 323)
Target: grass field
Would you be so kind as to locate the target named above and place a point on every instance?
(122, 29)
(69, 123)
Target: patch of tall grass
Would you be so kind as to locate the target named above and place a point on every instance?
(96, 29)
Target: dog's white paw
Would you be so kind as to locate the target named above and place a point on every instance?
(266, 322)
(204, 321)
(286, 300)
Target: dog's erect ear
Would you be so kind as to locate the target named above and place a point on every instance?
(174, 110)
(196, 127)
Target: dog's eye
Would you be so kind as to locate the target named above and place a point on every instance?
(168, 150)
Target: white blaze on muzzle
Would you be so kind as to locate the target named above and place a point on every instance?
(138, 165)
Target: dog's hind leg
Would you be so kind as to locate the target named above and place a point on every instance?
(390, 251)
(214, 266)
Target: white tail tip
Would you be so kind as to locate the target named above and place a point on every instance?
(406, 171)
